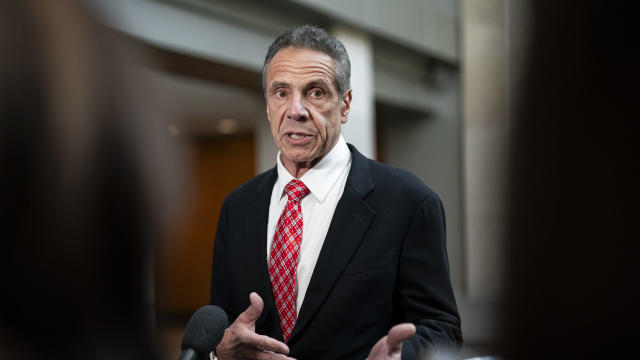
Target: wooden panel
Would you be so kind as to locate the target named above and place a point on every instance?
(184, 261)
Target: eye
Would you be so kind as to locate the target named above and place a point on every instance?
(281, 93)
(316, 93)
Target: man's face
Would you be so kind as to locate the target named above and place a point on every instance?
(304, 108)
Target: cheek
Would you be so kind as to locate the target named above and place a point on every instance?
(274, 120)
(324, 120)
(333, 123)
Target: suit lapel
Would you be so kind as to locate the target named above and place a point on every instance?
(348, 227)
(257, 218)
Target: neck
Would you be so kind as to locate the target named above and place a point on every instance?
(297, 169)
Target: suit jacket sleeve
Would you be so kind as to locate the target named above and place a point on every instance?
(424, 289)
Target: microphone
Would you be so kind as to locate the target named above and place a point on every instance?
(203, 332)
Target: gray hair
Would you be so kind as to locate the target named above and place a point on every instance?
(313, 38)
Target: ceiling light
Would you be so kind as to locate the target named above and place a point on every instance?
(227, 126)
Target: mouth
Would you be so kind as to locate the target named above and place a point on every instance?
(297, 138)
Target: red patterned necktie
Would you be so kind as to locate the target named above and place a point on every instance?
(284, 256)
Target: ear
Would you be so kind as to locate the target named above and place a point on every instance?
(268, 114)
(346, 106)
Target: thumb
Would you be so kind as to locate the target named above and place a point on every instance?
(254, 310)
(398, 334)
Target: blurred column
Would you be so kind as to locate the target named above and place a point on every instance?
(360, 129)
(493, 47)
(485, 106)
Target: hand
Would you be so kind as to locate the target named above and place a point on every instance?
(390, 346)
(240, 340)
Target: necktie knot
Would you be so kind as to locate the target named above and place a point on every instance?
(296, 190)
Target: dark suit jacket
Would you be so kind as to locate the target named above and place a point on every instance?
(383, 262)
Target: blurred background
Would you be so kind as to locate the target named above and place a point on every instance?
(432, 80)
(433, 87)
(120, 138)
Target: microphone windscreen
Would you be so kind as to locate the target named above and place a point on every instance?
(205, 330)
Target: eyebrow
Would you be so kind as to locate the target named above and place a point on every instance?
(320, 83)
(313, 83)
(279, 84)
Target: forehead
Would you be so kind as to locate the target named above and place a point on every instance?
(291, 64)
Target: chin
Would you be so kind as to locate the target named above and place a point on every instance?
(298, 157)
(301, 159)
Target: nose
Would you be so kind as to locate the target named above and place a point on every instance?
(297, 109)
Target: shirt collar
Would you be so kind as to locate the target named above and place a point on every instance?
(321, 178)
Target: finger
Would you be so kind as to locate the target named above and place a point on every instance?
(265, 343)
(379, 349)
(253, 311)
(398, 334)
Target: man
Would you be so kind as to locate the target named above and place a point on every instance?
(330, 249)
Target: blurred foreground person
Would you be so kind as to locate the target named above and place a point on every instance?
(573, 249)
(80, 192)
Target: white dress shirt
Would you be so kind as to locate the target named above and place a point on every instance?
(326, 182)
